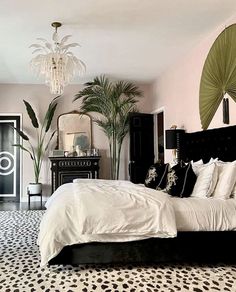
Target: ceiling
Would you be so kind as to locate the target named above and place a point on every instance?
(124, 39)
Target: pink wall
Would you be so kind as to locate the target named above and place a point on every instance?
(177, 90)
(11, 101)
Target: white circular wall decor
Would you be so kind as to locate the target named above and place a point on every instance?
(7, 163)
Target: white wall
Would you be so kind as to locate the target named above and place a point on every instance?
(11, 101)
(177, 90)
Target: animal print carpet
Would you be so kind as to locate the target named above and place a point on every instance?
(20, 270)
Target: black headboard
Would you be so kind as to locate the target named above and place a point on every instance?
(214, 143)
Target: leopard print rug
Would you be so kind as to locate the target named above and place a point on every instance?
(20, 270)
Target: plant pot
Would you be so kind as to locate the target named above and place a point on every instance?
(34, 188)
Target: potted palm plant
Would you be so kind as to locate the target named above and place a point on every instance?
(113, 102)
(43, 140)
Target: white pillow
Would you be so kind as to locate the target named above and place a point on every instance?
(206, 181)
(196, 166)
(226, 180)
(197, 162)
(212, 160)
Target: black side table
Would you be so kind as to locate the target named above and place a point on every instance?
(34, 195)
(65, 169)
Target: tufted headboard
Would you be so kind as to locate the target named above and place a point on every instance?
(220, 142)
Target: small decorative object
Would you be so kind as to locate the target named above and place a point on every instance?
(58, 153)
(88, 152)
(218, 77)
(73, 152)
(94, 152)
(113, 102)
(79, 151)
(66, 153)
(55, 62)
(43, 140)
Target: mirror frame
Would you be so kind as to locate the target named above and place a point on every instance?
(74, 112)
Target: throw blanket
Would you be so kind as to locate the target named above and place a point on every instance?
(103, 211)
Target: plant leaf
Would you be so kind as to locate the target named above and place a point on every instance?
(46, 148)
(22, 134)
(50, 116)
(31, 114)
(47, 116)
(23, 148)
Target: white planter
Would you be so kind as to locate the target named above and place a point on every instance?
(34, 188)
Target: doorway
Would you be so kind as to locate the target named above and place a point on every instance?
(141, 146)
(159, 135)
(9, 158)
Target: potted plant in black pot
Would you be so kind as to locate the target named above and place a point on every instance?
(43, 139)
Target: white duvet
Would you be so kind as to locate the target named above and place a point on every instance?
(204, 214)
(102, 210)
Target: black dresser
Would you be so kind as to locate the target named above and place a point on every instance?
(65, 169)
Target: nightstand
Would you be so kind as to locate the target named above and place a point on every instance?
(65, 169)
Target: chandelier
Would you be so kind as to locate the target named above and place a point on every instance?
(55, 62)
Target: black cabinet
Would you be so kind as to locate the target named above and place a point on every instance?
(65, 169)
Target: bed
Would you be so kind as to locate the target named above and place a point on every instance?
(201, 246)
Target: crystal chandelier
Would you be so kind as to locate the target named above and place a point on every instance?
(55, 62)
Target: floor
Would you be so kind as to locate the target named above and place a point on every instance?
(20, 269)
(22, 206)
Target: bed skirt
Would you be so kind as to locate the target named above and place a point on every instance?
(202, 247)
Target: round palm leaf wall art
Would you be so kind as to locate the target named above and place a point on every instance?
(218, 75)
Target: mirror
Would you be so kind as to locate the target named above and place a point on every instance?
(74, 129)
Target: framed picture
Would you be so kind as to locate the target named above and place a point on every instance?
(81, 139)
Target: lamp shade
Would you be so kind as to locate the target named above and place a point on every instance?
(171, 138)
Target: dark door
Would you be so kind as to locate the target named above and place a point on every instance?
(160, 136)
(9, 159)
(141, 146)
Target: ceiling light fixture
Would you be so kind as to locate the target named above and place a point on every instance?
(55, 62)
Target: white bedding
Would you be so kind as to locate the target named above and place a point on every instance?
(204, 214)
(101, 210)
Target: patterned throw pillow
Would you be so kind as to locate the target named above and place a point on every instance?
(156, 176)
(180, 180)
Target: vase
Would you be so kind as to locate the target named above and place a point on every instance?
(34, 188)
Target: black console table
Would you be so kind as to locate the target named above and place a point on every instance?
(65, 169)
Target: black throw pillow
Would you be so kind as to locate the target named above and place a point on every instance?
(156, 176)
(180, 180)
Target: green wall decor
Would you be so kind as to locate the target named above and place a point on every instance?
(218, 75)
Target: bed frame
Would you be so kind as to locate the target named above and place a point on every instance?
(204, 247)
